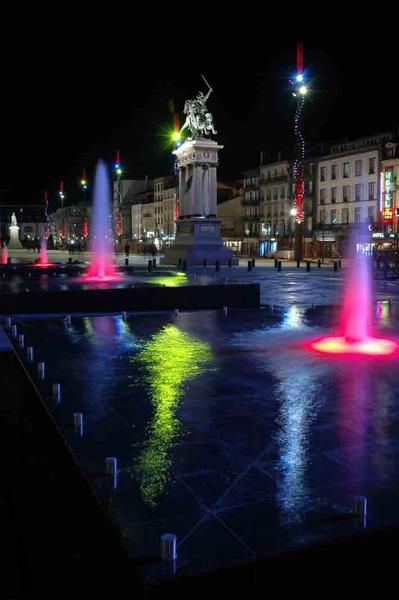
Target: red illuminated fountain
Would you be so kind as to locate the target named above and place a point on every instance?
(355, 335)
(42, 261)
(101, 268)
(4, 255)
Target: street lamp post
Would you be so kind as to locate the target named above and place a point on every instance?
(299, 92)
(118, 171)
(62, 197)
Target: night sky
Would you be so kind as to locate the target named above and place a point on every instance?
(75, 95)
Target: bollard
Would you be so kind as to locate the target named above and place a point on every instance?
(279, 265)
(308, 267)
(319, 263)
(253, 263)
(335, 266)
(149, 266)
(29, 353)
(168, 546)
(56, 392)
(184, 266)
(21, 340)
(14, 331)
(250, 265)
(9, 322)
(41, 370)
(360, 508)
(124, 315)
(275, 263)
(70, 261)
(179, 264)
(9, 260)
(225, 310)
(298, 264)
(229, 262)
(67, 319)
(154, 262)
(217, 266)
(126, 262)
(78, 424)
(111, 468)
(339, 264)
(204, 262)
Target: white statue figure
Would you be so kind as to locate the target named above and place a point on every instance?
(13, 220)
(199, 121)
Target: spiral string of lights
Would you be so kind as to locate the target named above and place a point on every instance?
(299, 93)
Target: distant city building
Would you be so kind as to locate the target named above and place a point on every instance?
(70, 226)
(350, 182)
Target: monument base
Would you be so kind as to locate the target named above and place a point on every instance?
(198, 240)
(14, 243)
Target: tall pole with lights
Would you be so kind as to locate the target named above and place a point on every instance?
(118, 171)
(62, 198)
(299, 92)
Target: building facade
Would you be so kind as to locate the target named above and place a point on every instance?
(349, 189)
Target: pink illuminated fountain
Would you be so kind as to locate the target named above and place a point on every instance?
(101, 267)
(355, 335)
(4, 255)
(43, 261)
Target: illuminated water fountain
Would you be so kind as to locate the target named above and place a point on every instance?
(355, 335)
(4, 255)
(101, 266)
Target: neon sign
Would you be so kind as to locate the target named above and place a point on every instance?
(388, 209)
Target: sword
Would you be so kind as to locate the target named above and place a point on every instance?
(206, 81)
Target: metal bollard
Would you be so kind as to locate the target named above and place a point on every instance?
(14, 331)
(229, 262)
(275, 263)
(205, 263)
(29, 353)
(250, 265)
(335, 266)
(168, 546)
(339, 263)
(154, 262)
(319, 263)
(217, 266)
(225, 310)
(70, 261)
(21, 340)
(111, 468)
(126, 262)
(279, 265)
(41, 370)
(298, 264)
(149, 266)
(78, 424)
(253, 263)
(56, 392)
(308, 267)
(360, 508)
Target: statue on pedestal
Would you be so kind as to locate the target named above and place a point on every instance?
(13, 220)
(199, 121)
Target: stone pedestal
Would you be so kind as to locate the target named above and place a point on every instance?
(14, 243)
(198, 227)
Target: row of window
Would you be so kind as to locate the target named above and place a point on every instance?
(359, 214)
(361, 192)
(346, 169)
